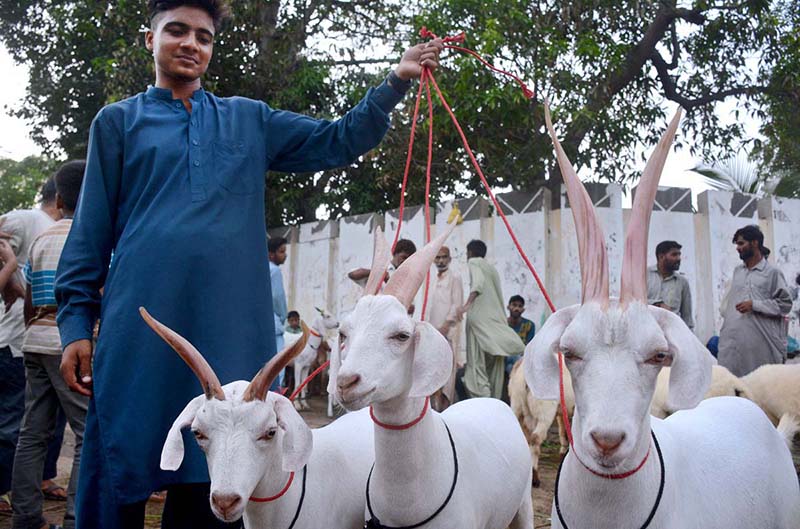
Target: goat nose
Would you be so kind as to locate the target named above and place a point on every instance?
(346, 382)
(225, 502)
(608, 441)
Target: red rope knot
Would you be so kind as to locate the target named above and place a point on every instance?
(425, 33)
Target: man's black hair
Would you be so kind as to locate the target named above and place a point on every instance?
(275, 243)
(516, 298)
(293, 314)
(477, 248)
(751, 233)
(218, 10)
(48, 190)
(666, 247)
(69, 178)
(405, 246)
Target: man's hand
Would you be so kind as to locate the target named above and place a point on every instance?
(419, 56)
(76, 367)
(745, 306)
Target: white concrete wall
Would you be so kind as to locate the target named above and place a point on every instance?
(321, 253)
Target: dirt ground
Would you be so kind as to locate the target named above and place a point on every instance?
(542, 496)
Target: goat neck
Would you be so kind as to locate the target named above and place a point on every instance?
(584, 496)
(208, 379)
(591, 241)
(633, 282)
(414, 466)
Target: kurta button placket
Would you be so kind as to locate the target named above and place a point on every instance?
(196, 170)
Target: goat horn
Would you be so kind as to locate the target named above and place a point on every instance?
(633, 281)
(260, 384)
(407, 279)
(591, 241)
(198, 364)
(380, 260)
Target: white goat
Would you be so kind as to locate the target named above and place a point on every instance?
(302, 362)
(468, 467)
(723, 384)
(259, 450)
(776, 389)
(721, 465)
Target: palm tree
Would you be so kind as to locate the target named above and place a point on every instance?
(740, 174)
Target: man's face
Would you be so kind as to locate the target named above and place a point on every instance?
(399, 258)
(745, 248)
(442, 259)
(670, 261)
(515, 309)
(278, 256)
(294, 321)
(182, 42)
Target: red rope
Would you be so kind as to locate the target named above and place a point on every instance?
(424, 80)
(278, 495)
(401, 426)
(308, 379)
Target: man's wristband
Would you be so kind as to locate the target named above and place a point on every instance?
(398, 84)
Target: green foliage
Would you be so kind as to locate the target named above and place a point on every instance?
(20, 182)
(612, 70)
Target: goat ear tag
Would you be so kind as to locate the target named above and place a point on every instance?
(433, 361)
(172, 452)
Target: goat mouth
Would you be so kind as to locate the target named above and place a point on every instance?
(354, 401)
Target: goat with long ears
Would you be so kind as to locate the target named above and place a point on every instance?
(720, 465)
(259, 450)
(468, 467)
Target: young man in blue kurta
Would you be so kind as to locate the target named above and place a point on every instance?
(174, 188)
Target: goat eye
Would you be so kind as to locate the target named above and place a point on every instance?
(658, 359)
(569, 355)
(400, 337)
(268, 435)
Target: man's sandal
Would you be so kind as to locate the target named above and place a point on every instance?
(51, 492)
(5, 504)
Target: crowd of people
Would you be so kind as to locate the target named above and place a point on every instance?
(170, 216)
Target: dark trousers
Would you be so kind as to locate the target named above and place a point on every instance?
(12, 407)
(54, 446)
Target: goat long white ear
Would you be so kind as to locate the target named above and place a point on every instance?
(433, 361)
(335, 358)
(172, 453)
(690, 375)
(541, 355)
(297, 438)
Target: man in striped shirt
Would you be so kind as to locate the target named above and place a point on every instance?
(41, 346)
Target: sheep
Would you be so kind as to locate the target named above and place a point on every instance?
(723, 383)
(468, 467)
(776, 389)
(321, 324)
(535, 416)
(719, 465)
(259, 449)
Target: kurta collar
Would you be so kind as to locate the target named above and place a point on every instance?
(165, 94)
(762, 264)
(654, 268)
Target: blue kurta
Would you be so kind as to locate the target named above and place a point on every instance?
(179, 198)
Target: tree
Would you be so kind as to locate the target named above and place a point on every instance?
(20, 182)
(612, 70)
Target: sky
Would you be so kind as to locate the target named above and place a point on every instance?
(15, 141)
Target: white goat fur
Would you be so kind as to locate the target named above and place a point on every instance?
(726, 467)
(302, 362)
(776, 389)
(536, 415)
(239, 463)
(391, 362)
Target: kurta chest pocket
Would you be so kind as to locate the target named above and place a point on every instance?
(233, 168)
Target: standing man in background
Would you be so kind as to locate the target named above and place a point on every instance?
(754, 331)
(489, 338)
(277, 256)
(446, 298)
(666, 288)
